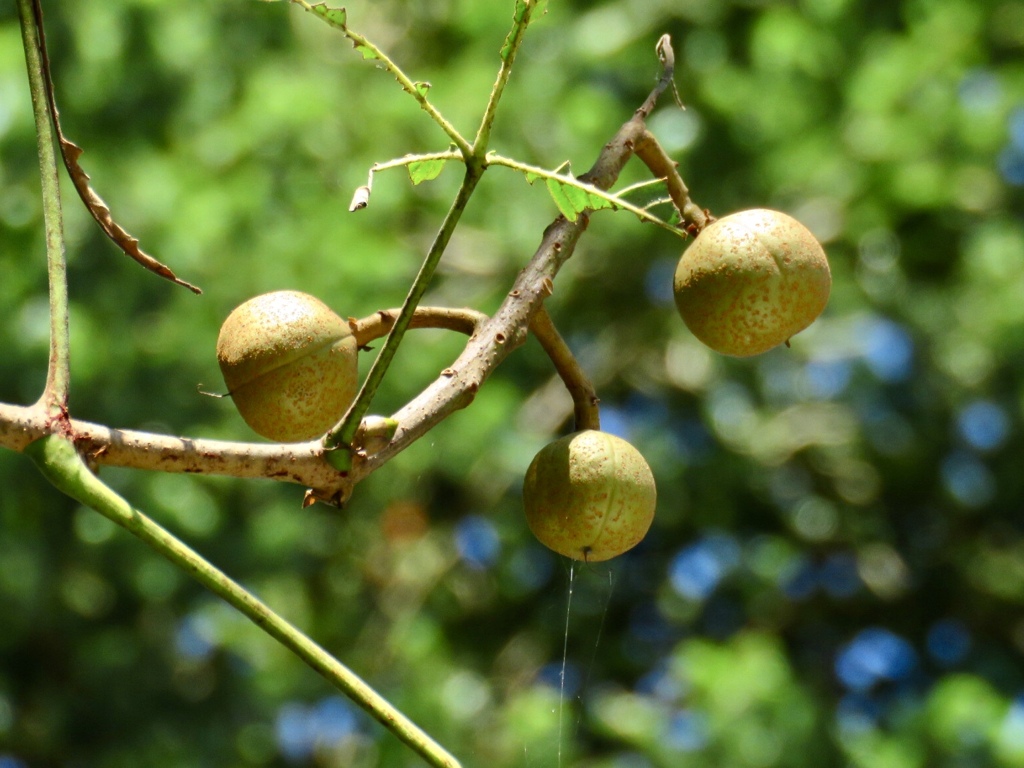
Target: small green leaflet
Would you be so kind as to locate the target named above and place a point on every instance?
(506, 47)
(522, 6)
(425, 170)
(645, 193)
(573, 200)
(532, 176)
(366, 51)
(335, 16)
(573, 196)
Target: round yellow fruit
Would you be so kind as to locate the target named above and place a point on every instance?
(589, 496)
(290, 365)
(750, 281)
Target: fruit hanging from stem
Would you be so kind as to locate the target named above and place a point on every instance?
(290, 365)
(589, 496)
(750, 281)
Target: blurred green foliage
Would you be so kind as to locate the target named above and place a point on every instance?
(836, 571)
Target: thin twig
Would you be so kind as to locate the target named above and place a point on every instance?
(339, 439)
(70, 152)
(507, 327)
(492, 341)
(667, 57)
(300, 463)
(521, 20)
(380, 323)
(604, 198)
(417, 90)
(361, 197)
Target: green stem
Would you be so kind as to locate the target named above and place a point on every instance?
(341, 436)
(58, 372)
(372, 51)
(524, 10)
(61, 464)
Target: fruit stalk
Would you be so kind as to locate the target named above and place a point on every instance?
(584, 396)
(654, 156)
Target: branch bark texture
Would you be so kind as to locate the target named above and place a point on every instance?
(491, 341)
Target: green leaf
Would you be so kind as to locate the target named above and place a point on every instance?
(367, 52)
(566, 204)
(425, 170)
(645, 193)
(334, 16)
(572, 198)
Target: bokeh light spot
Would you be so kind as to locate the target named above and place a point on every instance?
(477, 541)
(948, 642)
(967, 479)
(687, 731)
(1011, 165)
(561, 677)
(838, 575)
(465, 694)
(874, 655)
(980, 91)
(888, 350)
(698, 568)
(983, 425)
(195, 637)
(856, 714)
(658, 282)
(826, 379)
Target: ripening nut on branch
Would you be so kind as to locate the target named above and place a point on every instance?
(290, 365)
(589, 496)
(750, 281)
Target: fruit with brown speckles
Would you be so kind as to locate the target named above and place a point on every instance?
(589, 496)
(290, 365)
(750, 281)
